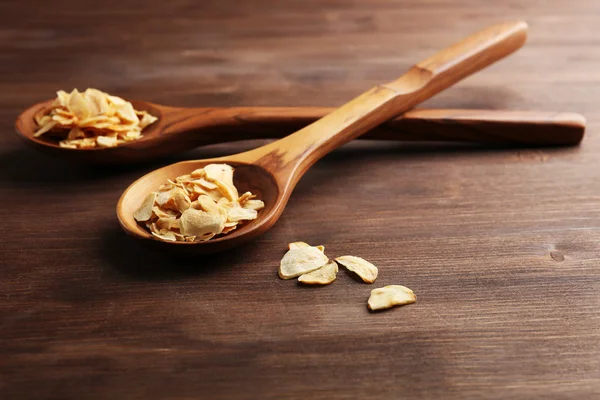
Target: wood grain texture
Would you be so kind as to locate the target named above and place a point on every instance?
(500, 245)
(181, 128)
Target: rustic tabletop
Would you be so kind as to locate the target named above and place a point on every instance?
(499, 244)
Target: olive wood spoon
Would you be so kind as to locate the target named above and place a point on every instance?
(272, 171)
(179, 129)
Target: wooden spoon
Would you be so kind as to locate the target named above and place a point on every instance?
(272, 171)
(180, 129)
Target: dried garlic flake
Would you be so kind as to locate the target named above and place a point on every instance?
(92, 119)
(390, 296)
(364, 269)
(144, 213)
(200, 223)
(297, 245)
(301, 261)
(322, 276)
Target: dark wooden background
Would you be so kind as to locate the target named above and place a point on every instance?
(500, 245)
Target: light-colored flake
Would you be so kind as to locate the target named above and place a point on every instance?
(106, 141)
(245, 197)
(97, 101)
(322, 276)
(62, 98)
(301, 261)
(87, 143)
(206, 236)
(167, 223)
(132, 135)
(219, 173)
(181, 238)
(75, 133)
(127, 113)
(228, 229)
(166, 187)
(147, 119)
(116, 101)
(78, 106)
(144, 213)
(63, 112)
(199, 223)
(47, 127)
(42, 120)
(163, 197)
(213, 194)
(235, 213)
(222, 176)
(183, 178)
(64, 144)
(208, 204)
(164, 213)
(390, 296)
(364, 269)
(256, 205)
(198, 173)
(175, 199)
(168, 236)
(205, 184)
(180, 200)
(297, 245)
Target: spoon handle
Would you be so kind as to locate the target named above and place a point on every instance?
(290, 157)
(536, 128)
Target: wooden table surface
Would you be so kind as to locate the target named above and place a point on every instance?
(500, 245)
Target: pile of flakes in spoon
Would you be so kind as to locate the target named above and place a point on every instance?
(198, 206)
(91, 119)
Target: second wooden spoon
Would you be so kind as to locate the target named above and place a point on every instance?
(179, 129)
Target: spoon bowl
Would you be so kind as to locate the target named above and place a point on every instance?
(247, 177)
(272, 171)
(152, 140)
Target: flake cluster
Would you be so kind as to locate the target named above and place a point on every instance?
(312, 267)
(92, 119)
(198, 206)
